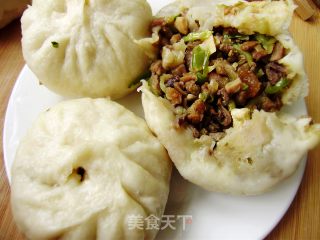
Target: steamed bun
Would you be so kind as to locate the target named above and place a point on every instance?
(83, 169)
(9, 10)
(217, 138)
(257, 152)
(86, 47)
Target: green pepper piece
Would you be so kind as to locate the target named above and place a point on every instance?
(247, 55)
(197, 36)
(245, 87)
(260, 73)
(200, 59)
(231, 105)
(200, 63)
(266, 41)
(201, 78)
(279, 86)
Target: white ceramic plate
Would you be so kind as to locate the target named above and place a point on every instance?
(214, 215)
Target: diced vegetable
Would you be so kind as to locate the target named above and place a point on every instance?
(197, 36)
(266, 41)
(260, 73)
(181, 24)
(55, 44)
(247, 55)
(173, 57)
(230, 72)
(209, 45)
(233, 86)
(224, 67)
(231, 105)
(191, 97)
(279, 86)
(213, 86)
(203, 96)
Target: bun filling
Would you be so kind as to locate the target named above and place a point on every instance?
(206, 74)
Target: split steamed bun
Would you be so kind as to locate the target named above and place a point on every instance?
(86, 47)
(257, 152)
(9, 10)
(83, 169)
(259, 149)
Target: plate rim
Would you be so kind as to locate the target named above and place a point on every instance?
(5, 124)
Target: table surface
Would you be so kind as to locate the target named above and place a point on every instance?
(302, 220)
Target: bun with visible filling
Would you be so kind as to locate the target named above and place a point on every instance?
(222, 72)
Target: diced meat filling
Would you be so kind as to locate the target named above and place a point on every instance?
(206, 74)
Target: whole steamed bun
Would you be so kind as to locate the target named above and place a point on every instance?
(9, 10)
(85, 170)
(86, 47)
